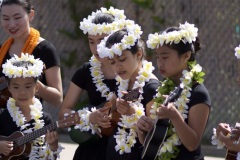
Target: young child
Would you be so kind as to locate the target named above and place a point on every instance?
(175, 50)
(24, 111)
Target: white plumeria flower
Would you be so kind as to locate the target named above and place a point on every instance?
(237, 52)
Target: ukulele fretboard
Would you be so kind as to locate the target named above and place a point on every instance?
(35, 134)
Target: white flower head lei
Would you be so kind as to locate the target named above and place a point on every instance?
(106, 28)
(12, 71)
(134, 33)
(187, 33)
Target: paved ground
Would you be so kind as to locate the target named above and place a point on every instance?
(70, 147)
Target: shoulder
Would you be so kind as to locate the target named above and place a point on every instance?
(151, 85)
(84, 66)
(83, 69)
(4, 115)
(199, 94)
(47, 118)
(47, 53)
(46, 45)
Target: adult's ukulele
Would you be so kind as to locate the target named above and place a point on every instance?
(131, 95)
(22, 142)
(232, 155)
(82, 137)
(155, 138)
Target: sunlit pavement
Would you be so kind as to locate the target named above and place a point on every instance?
(70, 147)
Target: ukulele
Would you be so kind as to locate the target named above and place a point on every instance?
(232, 155)
(22, 142)
(4, 92)
(132, 95)
(158, 134)
(82, 137)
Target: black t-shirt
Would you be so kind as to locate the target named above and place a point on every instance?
(83, 79)
(149, 91)
(199, 94)
(46, 52)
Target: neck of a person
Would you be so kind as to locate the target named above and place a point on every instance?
(107, 70)
(176, 78)
(26, 112)
(18, 43)
(132, 79)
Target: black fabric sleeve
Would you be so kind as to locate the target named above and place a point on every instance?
(150, 90)
(47, 53)
(199, 94)
(47, 118)
(80, 76)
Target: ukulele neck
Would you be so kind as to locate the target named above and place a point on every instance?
(35, 134)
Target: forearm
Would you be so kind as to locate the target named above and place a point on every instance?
(186, 134)
(50, 94)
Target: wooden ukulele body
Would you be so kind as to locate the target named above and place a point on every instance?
(115, 118)
(132, 95)
(19, 152)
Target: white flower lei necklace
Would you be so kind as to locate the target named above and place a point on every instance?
(97, 75)
(36, 113)
(169, 148)
(124, 139)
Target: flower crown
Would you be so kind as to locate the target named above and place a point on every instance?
(89, 27)
(12, 71)
(187, 33)
(134, 33)
(237, 52)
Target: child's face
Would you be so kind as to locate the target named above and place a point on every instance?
(126, 65)
(23, 90)
(93, 41)
(170, 64)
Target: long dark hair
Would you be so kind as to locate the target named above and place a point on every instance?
(26, 4)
